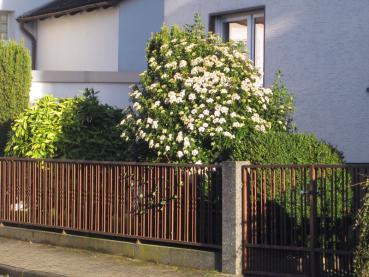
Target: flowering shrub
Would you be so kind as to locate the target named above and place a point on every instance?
(199, 94)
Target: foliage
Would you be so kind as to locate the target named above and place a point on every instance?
(361, 260)
(71, 128)
(285, 148)
(198, 95)
(15, 83)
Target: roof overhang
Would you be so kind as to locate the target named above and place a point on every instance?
(33, 15)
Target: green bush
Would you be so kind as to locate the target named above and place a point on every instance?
(15, 83)
(282, 148)
(71, 128)
(361, 259)
(285, 148)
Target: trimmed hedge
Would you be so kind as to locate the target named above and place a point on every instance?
(15, 84)
(285, 148)
(72, 128)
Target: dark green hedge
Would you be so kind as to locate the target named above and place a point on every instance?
(15, 84)
(72, 128)
(285, 148)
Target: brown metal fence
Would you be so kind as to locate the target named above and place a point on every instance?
(158, 202)
(299, 220)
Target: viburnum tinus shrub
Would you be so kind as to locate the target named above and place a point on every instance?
(198, 95)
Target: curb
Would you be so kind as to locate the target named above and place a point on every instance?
(12, 271)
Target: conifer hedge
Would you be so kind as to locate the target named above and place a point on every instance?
(15, 83)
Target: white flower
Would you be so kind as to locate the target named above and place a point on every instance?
(246, 84)
(192, 96)
(150, 120)
(151, 144)
(155, 124)
(171, 65)
(228, 134)
(177, 76)
(156, 104)
(235, 96)
(222, 120)
(206, 112)
(137, 106)
(179, 137)
(179, 154)
(195, 152)
(223, 91)
(167, 148)
(224, 109)
(201, 129)
(182, 64)
(260, 128)
(186, 143)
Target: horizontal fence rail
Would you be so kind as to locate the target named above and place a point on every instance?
(300, 220)
(156, 202)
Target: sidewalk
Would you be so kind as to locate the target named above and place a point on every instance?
(28, 257)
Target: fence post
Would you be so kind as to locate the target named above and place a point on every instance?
(232, 217)
(313, 217)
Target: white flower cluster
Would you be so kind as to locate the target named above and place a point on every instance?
(191, 101)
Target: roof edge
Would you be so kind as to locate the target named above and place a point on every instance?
(106, 4)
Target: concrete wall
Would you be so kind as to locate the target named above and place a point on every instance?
(321, 47)
(87, 42)
(113, 86)
(17, 8)
(137, 20)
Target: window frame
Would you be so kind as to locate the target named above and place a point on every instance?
(7, 24)
(217, 19)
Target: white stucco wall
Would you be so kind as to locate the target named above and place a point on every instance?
(321, 47)
(15, 9)
(109, 93)
(86, 42)
(113, 87)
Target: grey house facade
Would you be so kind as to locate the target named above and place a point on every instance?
(321, 47)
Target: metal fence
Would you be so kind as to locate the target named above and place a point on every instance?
(299, 220)
(156, 202)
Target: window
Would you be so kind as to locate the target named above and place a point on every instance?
(4, 28)
(247, 28)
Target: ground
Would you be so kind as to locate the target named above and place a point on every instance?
(72, 262)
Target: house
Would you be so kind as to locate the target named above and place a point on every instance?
(320, 46)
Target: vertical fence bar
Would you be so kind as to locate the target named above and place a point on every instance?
(179, 203)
